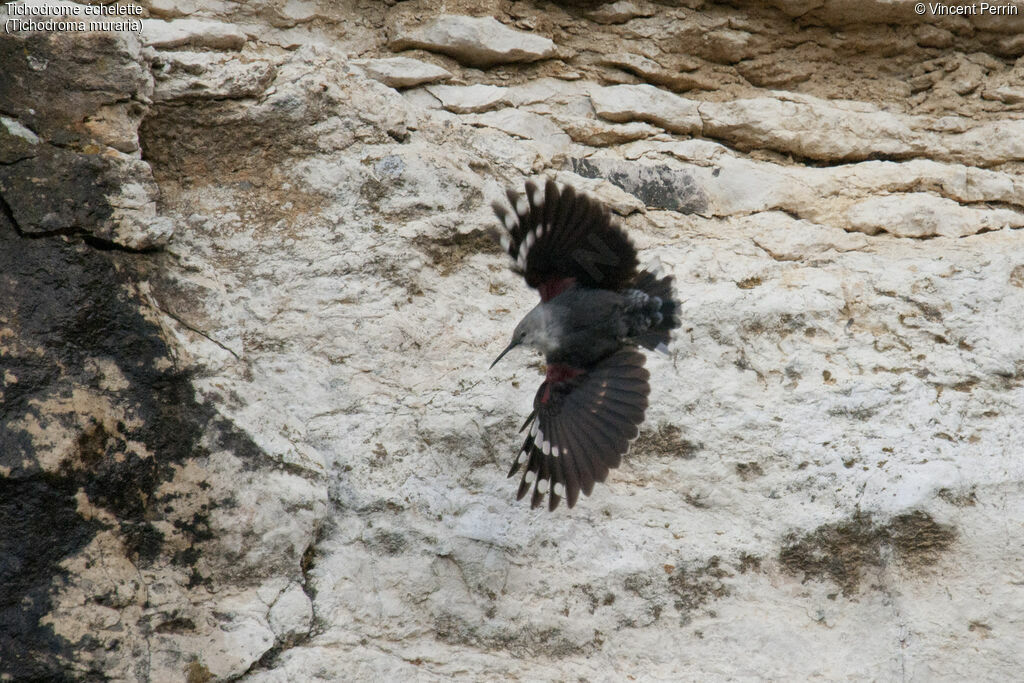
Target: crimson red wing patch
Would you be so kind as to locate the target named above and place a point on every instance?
(582, 429)
(558, 237)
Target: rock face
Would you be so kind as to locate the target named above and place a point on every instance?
(403, 72)
(71, 164)
(475, 41)
(248, 297)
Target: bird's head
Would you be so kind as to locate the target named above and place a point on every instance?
(531, 331)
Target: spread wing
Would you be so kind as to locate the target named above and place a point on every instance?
(557, 236)
(581, 426)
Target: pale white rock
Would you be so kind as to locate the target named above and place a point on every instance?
(294, 12)
(1005, 93)
(788, 239)
(597, 133)
(712, 181)
(475, 41)
(962, 183)
(676, 79)
(291, 615)
(402, 72)
(621, 103)
(925, 215)
(988, 143)
(549, 92)
(466, 99)
(15, 128)
(169, 9)
(134, 222)
(701, 152)
(217, 35)
(811, 127)
(524, 124)
(620, 12)
(182, 75)
(846, 131)
(424, 106)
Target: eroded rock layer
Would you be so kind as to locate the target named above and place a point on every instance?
(248, 297)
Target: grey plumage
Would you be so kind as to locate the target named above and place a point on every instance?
(595, 309)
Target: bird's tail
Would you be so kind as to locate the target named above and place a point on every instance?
(658, 313)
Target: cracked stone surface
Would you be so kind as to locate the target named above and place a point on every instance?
(248, 297)
(70, 164)
(474, 41)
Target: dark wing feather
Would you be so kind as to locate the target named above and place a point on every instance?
(557, 237)
(581, 427)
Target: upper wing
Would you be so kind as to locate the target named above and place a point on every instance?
(558, 237)
(582, 423)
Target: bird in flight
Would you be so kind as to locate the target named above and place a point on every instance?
(595, 309)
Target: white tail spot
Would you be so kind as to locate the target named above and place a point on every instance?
(654, 267)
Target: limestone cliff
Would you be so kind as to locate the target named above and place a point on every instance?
(248, 299)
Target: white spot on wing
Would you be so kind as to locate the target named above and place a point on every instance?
(523, 248)
(522, 207)
(504, 242)
(534, 429)
(661, 348)
(558, 489)
(529, 477)
(537, 195)
(510, 221)
(522, 457)
(542, 486)
(546, 447)
(554, 451)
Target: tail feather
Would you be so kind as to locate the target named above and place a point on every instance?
(663, 309)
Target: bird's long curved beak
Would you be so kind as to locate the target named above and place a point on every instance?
(507, 349)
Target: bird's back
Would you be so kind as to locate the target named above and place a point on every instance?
(587, 324)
